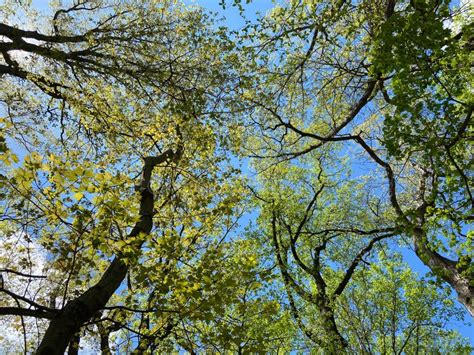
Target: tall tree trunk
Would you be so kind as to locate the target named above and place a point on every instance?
(333, 341)
(78, 311)
(70, 319)
(448, 270)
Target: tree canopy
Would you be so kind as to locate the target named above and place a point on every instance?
(168, 184)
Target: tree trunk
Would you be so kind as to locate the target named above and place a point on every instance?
(70, 319)
(333, 341)
(78, 311)
(446, 269)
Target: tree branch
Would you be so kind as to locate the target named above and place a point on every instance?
(36, 313)
(350, 270)
(23, 274)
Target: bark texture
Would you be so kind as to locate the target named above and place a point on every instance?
(449, 270)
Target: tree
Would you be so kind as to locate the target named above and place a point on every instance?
(122, 126)
(341, 293)
(390, 310)
(385, 83)
(132, 92)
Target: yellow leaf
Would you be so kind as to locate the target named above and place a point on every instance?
(78, 195)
